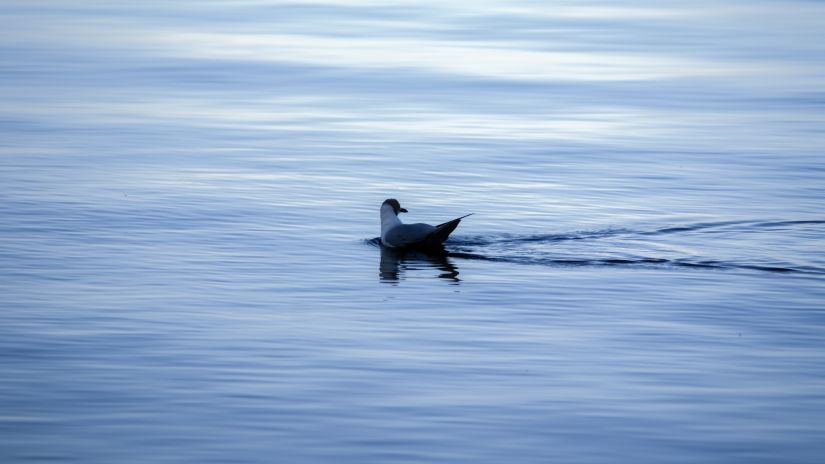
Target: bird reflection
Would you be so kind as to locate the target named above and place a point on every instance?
(395, 262)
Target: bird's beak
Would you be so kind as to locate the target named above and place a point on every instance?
(402, 210)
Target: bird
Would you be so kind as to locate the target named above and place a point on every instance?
(395, 234)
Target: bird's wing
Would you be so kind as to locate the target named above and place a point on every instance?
(408, 234)
(421, 235)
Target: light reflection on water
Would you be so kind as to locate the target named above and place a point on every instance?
(189, 191)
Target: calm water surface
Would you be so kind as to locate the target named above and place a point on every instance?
(189, 195)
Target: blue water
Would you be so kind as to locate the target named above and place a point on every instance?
(189, 198)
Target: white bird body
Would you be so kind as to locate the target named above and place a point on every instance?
(389, 221)
(396, 234)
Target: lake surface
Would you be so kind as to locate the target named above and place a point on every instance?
(189, 198)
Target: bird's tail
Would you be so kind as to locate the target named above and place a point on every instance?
(442, 232)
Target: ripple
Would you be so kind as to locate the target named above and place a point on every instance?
(627, 247)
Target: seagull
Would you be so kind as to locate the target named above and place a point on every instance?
(395, 234)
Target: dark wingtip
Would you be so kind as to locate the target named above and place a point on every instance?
(442, 233)
(456, 219)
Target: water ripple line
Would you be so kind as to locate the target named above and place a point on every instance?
(525, 249)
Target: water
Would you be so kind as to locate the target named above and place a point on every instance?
(189, 202)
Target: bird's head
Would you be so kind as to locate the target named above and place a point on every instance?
(395, 205)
